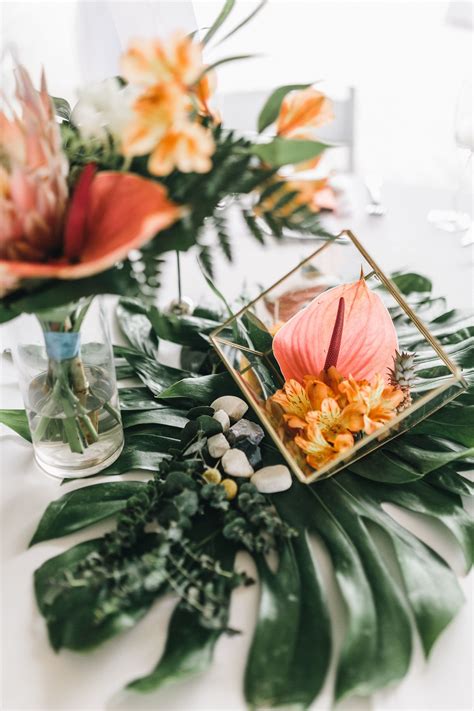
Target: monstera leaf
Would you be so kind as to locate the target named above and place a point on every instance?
(423, 471)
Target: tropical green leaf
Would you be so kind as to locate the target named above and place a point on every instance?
(200, 391)
(188, 652)
(144, 451)
(17, 421)
(220, 19)
(271, 109)
(453, 421)
(226, 60)
(139, 398)
(448, 479)
(185, 330)
(162, 415)
(134, 322)
(247, 19)
(61, 107)
(282, 669)
(83, 507)
(156, 376)
(286, 151)
(410, 282)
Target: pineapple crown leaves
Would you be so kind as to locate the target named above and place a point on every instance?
(403, 371)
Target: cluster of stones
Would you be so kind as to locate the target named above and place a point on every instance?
(238, 452)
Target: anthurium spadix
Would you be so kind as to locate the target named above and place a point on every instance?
(348, 327)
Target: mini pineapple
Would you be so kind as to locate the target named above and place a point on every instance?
(403, 375)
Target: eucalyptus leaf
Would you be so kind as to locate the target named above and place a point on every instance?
(70, 615)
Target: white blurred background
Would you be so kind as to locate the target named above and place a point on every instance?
(407, 60)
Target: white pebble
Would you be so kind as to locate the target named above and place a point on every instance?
(235, 463)
(217, 445)
(233, 406)
(223, 419)
(270, 480)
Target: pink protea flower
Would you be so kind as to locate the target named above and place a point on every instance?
(33, 189)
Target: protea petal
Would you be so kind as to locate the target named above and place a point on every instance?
(124, 211)
(368, 340)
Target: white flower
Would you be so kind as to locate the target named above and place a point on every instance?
(104, 108)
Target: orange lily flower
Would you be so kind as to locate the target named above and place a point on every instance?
(303, 110)
(347, 326)
(109, 215)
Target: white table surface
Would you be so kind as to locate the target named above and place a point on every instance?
(33, 677)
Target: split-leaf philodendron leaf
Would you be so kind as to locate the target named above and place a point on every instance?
(423, 471)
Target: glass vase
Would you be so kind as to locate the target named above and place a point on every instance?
(67, 378)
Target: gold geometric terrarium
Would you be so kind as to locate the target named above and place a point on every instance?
(245, 343)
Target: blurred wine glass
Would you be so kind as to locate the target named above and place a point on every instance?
(456, 219)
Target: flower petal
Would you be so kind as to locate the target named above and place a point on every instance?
(368, 342)
(124, 212)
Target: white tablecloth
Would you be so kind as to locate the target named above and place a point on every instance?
(35, 678)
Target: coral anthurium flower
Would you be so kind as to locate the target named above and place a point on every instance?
(109, 215)
(152, 61)
(318, 450)
(302, 111)
(187, 147)
(347, 326)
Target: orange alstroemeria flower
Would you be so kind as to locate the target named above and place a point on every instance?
(155, 112)
(303, 111)
(154, 61)
(109, 215)
(203, 92)
(295, 403)
(318, 450)
(379, 400)
(187, 147)
(334, 421)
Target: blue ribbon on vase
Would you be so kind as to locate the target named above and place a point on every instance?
(62, 346)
